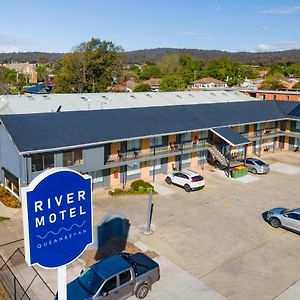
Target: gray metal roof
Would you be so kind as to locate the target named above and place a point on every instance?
(55, 131)
(230, 136)
(37, 103)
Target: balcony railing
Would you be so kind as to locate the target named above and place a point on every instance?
(173, 148)
(263, 133)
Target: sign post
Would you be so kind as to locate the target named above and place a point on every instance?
(57, 220)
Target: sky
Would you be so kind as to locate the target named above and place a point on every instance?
(229, 25)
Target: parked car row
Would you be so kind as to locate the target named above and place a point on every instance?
(191, 180)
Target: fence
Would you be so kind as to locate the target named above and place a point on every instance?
(18, 281)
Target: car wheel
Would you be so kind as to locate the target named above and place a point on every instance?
(187, 188)
(274, 222)
(142, 291)
(168, 180)
(254, 171)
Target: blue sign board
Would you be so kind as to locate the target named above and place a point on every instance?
(57, 217)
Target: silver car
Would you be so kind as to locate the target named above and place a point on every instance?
(257, 166)
(283, 217)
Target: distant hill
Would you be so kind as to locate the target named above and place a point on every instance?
(153, 55)
(31, 57)
(266, 58)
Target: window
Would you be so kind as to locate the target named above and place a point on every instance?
(133, 145)
(40, 162)
(133, 168)
(274, 97)
(78, 157)
(297, 125)
(202, 155)
(271, 125)
(186, 137)
(294, 216)
(109, 285)
(259, 126)
(241, 129)
(156, 141)
(155, 164)
(203, 134)
(297, 142)
(125, 277)
(186, 158)
(73, 158)
(97, 176)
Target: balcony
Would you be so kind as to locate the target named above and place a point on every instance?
(265, 134)
(157, 153)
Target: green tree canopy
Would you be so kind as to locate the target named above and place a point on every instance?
(142, 87)
(92, 67)
(172, 83)
(272, 82)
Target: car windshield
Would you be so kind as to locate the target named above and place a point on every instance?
(90, 281)
(285, 211)
(259, 162)
(197, 178)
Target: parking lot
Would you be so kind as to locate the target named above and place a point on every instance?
(218, 234)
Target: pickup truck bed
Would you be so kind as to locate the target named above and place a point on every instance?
(141, 263)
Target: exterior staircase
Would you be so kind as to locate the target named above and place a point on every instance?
(217, 155)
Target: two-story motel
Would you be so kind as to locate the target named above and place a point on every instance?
(122, 144)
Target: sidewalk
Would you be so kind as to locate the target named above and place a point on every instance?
(292, 293)
(177, 284)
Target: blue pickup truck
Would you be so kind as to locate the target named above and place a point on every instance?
(115, 278)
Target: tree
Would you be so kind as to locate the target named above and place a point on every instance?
(41, 72)
(149, 71)
(189, 68)
(272, 82)
(169, 64)
(296, 86)
(142, 87)
(172, 83)
(92, 67)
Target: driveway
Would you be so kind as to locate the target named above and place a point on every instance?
(218, 236)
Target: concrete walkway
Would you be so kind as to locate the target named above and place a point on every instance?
(292, 293)
(177, 284)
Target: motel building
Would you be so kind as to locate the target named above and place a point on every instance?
(117, 138)
(284, 95)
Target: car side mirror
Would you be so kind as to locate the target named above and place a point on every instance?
(286, 216)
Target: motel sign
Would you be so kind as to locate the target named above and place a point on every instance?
(57, 216)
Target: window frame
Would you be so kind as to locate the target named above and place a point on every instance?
(73, 160)
(45, 165)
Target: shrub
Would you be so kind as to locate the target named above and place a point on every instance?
(118, 191)
(131, 190)
(141, 183)
(141, 189)
(8, 199)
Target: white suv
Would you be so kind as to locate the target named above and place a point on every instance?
(187, 179)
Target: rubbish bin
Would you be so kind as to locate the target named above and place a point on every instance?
(234, 172)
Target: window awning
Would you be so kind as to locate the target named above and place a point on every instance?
(230, 136)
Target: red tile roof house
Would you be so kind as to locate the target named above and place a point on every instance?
(154, 83)
(208, 82)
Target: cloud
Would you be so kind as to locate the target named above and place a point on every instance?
(10, 43)
(281, 10)
(270, 47)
